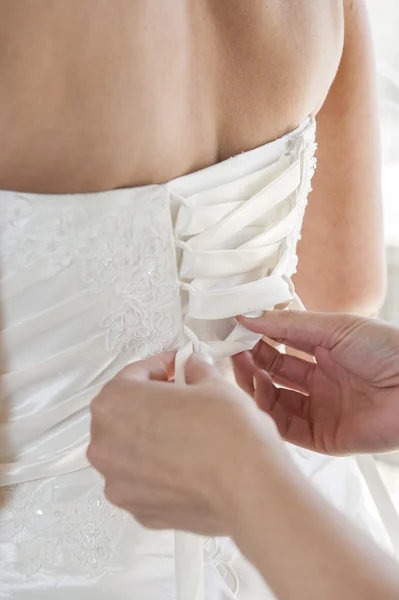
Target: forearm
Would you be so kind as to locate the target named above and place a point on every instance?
(341, 255)
(303, 547)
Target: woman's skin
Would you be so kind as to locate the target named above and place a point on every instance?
(98, 95)
(347, 402)
(205, 458)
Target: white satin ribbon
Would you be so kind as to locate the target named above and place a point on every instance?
(225, 248)
(236, 258)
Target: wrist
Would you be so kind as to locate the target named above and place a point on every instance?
(251, 480)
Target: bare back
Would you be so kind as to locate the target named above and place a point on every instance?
(98, 95)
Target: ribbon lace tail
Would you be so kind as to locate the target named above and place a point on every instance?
(189, 548)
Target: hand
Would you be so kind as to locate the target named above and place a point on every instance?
(174, 455)
(346, 402)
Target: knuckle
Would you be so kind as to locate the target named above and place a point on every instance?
(101, 405)
(112, 494)
(91, 454)
(345, 326)
(114, 403)
(98, 457)
(149, 522)
(143, 519)
(286, 317)
(119, 494)
(122, 494)
(146, 518)
(130, 376)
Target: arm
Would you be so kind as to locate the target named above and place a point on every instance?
(342, 232)
(251, 490)
(303, 547)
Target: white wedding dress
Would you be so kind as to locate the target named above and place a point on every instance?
(92, 282)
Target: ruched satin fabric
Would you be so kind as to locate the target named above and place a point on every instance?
(92, 282)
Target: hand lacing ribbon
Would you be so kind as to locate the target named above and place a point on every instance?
(213, 241)
(219, 245)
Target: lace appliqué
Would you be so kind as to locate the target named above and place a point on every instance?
(52, 239)
(135, 260)
(124, 255)
(45, 533)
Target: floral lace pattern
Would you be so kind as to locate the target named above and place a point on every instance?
(122, 257)
(125, 255)
(48, 533)
(51, 239)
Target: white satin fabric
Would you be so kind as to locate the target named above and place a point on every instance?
(92, 282)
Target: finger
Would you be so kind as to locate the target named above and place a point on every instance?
(244, 370)
(198, 370)
(294, 430)
(156, 368)
(302, 330)
(292, 401)
(265, 391)
(288, 409)
(284, 368)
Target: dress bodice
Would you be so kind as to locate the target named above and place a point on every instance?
(91, 282)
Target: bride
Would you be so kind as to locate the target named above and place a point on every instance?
(119, 239)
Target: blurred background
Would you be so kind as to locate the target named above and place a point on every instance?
(384, 16)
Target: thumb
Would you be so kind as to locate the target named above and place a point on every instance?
(199, 369)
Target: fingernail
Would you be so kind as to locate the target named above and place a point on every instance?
(253, 315)
(206, 358)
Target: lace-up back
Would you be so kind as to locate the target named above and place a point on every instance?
(92, 282)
